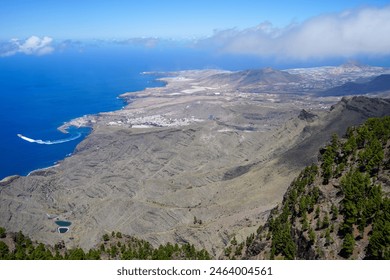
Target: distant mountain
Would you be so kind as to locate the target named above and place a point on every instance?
(265, 76)
(378, 84)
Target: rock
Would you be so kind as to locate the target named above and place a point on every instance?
(8, 180)
(307, 116)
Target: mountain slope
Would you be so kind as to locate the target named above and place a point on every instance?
(253, 77)
(378, 84)
(337, 209)
(348, 112)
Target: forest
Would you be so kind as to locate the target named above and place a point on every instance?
(114, 246)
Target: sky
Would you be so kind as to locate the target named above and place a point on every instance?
(299, 29)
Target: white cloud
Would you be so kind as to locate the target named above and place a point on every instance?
(31, 46)
(358, 32)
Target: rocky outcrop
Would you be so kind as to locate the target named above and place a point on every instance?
(307, 116)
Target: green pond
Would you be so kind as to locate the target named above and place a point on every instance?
(63, 229)
(63, 223)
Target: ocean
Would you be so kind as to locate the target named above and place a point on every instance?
(38, 94)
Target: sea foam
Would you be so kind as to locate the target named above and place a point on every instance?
(48, 142)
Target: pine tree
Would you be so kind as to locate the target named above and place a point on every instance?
(335, 212)
(4, 250)
(328, 238)
(317, 214)
(106, 237)
(2, 232)
(348, 246)
(312, 236)
(305, 223)
(325, 222)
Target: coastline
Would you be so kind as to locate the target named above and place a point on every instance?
(85, 121)
(41, 171)
(134, 114)
(91, 119)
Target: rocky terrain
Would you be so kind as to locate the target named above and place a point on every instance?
(199, 160)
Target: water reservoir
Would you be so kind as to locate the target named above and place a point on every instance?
(63, 223)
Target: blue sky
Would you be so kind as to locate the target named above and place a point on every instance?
(86, 19)
(299, 29)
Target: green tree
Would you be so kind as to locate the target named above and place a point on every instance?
(4, 251)
(379, 244)
(305, 223)
(2, 232)
(328, 159)
(20, 253)
(76, 254)
(348, 246)
(372, 156)
(41, 253)
(350, 145)
(113, 251)
(328, 238)
(282, 241)
(93, 255)
(302, 206)
(335, 212)
(325, 221)
(317, 214)
(106, 237)
(362, 135)
(312, 236)
(335, 143)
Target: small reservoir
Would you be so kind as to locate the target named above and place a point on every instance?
(63, 229)
(63, 223)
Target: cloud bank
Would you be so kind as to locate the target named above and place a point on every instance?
(357, 32)
(31, 46)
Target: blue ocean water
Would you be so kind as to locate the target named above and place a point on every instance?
(38, 94)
